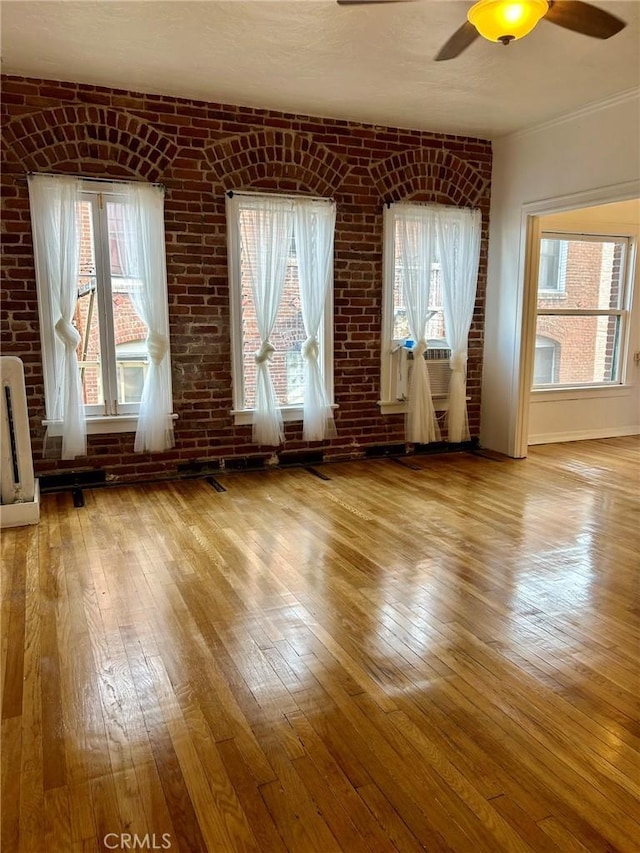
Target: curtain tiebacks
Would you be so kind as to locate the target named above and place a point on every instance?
(310, 349)
(264, 353)
(67, 333)
(157, 346)
(458, 361)
(419, 349)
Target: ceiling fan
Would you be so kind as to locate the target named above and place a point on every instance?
(507, 20)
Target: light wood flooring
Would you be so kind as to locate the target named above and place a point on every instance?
(437, 653)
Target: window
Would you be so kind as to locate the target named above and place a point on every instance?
(581, 322)
(103, 306)
(281, 281)
(547, 361)
(553, 266)
(431, 261)
(397, 338)
(105, 315)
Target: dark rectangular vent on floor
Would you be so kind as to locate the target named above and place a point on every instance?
(381, 450)
(406, 463)
(302, 457)
(245, 463)
(72, 479)
(319, 474)
(215, 484)
(200, 466)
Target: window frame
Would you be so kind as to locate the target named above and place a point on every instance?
(241, 414)
(622, 313)
(106, 417)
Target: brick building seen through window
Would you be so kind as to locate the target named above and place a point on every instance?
(288, 335)
(580, 275)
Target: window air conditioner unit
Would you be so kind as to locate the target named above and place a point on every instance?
(402, 365)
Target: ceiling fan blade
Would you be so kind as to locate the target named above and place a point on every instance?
(458, 42)
(584, 18)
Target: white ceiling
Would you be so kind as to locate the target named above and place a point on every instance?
(366, 63)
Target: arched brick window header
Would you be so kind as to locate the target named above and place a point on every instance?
(428, 175)
(69, 137)
(271, 159)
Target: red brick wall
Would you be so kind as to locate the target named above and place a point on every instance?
(198, 151)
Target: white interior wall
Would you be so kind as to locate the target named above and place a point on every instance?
(587, 158)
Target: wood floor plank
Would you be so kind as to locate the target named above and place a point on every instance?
(57, 820)
(248, 793)
(11, 761)
(218, 817)
(440, 657)
(390, 821)
(32, 756)
(323, 776)
(524, 825)
(13, 619)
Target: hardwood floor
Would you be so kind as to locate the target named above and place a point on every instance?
(436, 659)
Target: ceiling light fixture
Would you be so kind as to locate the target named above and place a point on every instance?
(506, 20)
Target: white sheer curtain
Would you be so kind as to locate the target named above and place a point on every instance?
(416, 244)
(144, 255)
(314, 229)
(459, 249)
(54, 212)
(266, 228)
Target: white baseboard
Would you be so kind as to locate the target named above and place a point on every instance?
(19, 515)
(583, 434)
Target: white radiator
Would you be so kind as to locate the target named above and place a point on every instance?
(20, 500)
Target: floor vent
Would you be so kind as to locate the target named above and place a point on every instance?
(405, 462)
(73, 480)
(381, 450)
(319, 474)
(245, 463)
(215, 484)
(302, 457)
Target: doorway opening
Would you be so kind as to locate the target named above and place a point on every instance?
(581, 325)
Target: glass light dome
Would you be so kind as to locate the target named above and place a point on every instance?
(506, 20)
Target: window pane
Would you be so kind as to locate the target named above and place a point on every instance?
(287, 337)
(128, 329)
(547, 361)
(117, 247)
(132, 381)
(584, 350)
(553, 258)
(435, 326)
(86, 312)
(132, 363)
(578, 273)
